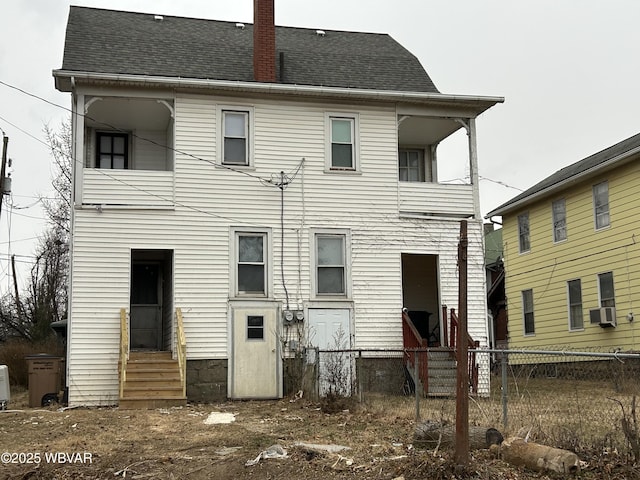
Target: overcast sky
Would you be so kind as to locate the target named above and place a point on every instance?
(568, 70)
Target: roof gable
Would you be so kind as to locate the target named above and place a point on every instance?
(619, 152)
(116, 42)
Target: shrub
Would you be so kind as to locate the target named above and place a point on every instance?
(14, 351)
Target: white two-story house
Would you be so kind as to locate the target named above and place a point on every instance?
(241, 192)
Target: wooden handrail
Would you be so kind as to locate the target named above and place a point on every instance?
(472, 344)
(414, 339)
(413, 342)
(124, 349)
(181, 341)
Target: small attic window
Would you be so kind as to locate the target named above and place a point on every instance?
(158, 18)
(320, 33)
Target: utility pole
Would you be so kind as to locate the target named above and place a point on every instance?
(462, 380)
(3, 169)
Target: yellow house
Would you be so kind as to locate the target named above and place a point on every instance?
(572, 255)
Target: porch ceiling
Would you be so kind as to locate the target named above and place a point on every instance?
(420, 130)
(128, 114)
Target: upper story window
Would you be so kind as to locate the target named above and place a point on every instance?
(559, 220)
(523, 232)
(251, 264)
(411, 165)
(112, 150)
(574, 292)
(527, 312)
(601, 204)
(235, 147)
(342, 142)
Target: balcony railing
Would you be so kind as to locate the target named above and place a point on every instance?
(144, 188)
(438, 199)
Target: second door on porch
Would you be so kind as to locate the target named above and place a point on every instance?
(146, 307)
(421, 295)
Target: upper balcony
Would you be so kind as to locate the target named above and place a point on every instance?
(127, 151)
(437, 167)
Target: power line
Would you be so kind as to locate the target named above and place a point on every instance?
(153, 142)
(499, 182)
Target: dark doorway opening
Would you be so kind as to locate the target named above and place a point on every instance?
(151, 304)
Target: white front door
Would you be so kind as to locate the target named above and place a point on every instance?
(255, 370)
(330, 330)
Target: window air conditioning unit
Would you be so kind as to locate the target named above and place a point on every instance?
(603, 316)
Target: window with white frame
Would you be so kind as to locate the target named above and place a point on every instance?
(342, 151)
(523, 232)
(411, 165)
(112, 150)
(331, 264)
(251, 265)
(559, 220)
(601, 204)
(235, 137)
(527, 312)
(606, 289)
(574, 293)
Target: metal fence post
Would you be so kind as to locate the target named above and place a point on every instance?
(416, 383)
(503, 363)
(317, 366)
(359, 375)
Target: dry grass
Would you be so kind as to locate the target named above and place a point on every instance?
(176, 443)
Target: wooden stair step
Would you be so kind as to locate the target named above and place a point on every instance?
(152, 393)
(136, 355)
(137, 403)
(153, 381)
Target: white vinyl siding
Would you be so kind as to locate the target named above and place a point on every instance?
(198, 227)
(426, 199)
(121, 188)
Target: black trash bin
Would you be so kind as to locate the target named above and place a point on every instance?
(45, 379)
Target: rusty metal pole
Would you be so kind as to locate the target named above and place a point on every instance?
(462, 378)
(3, 168)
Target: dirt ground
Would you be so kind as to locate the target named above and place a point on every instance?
(177, 443)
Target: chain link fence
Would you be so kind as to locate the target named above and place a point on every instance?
(567, 399)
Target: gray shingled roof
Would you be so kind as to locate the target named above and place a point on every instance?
(116, 42)
(619, 151)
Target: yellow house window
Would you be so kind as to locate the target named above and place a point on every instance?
(574, 288)
(527, 312)
(523, 232)
(559, 220)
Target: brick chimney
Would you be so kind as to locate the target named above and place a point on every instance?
(264, 41)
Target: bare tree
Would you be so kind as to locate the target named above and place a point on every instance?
(58, 208)
(29, 314)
